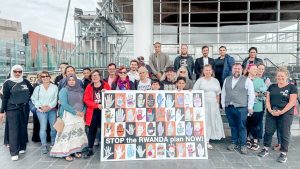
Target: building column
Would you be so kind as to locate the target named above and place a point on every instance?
(143, 28)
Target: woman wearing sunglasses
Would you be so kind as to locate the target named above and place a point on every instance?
(16, 95)
(44, 98)
(122, 81)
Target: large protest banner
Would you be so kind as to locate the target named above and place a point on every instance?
(149, 125)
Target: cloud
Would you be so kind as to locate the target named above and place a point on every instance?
(45, 16)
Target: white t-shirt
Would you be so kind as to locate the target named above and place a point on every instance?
(144, 86)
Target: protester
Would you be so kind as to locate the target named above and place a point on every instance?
(62, 68)
(212, 91)
(254, 119)
(223, 65)
(16, 94)
(133, 72)
(280, 100)
(111, 68)
(145, 82)
(184, 59)
(141, 60)
(168, 79)
(44, 99)
(202, 61)
(158, 61)
(252, 59)
(72, 140)
(93, 100)
(63, 82)
(155, 84)
(183, 72)
(122, 81)
(180, 83)
(237, 99)
(86, 77)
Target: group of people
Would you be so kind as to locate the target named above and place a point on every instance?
(241, 90)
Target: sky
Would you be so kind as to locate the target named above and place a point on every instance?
(44, 16)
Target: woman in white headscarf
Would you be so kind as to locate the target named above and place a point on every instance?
(16, 95)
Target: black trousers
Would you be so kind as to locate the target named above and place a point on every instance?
(95, 124)
(282, 124)
(253, 124)
(17, 129)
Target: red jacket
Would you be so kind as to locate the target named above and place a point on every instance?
(88, 99)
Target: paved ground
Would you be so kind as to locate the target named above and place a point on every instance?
(219, 158)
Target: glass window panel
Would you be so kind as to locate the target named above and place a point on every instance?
(170, 7)
(263, 5)
(288, 37)
(293, 16)
(266, 47)
(263, 16)
(287, 47)
(203, 29)
(233, 17)
(203, 38)
(170, 18)
(208, 17)
(228, 29)
(233, 38)
(288, 5)
(262, 37)
(233, 6)
(204, 7)
(170, 29)
(266, 27)
(288, 26)
(166, 39)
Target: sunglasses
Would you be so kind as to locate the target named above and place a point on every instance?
(122, 72)
(17, 71)
(44, 76)
(182, 71)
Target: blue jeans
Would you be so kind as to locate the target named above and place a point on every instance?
(44, 118)
(237, 118)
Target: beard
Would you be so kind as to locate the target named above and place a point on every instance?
(236, 75)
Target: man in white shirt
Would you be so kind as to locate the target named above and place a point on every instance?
(238, 99)
(133, 73)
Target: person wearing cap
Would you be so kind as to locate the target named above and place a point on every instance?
(158, 61)
(168, 79)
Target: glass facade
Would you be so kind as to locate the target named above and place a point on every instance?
(271, 25)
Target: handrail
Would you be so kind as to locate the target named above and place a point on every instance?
(267, 59)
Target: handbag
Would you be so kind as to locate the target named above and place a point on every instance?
(59, 125)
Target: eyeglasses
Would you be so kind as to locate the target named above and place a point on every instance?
(18, 71)
(182, 71)
(122, 72)
(44, 76)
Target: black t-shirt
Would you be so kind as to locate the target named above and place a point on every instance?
(183, 61)
(219, 65)
(97, 95)
(279, 97)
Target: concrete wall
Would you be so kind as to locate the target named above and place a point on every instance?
(10, 30)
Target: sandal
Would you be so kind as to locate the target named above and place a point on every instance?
(255, 146)
(249, 144)
(69, 158)
(78, 155)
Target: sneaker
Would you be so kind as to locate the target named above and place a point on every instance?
(249, 144)
(88, 154)
(231, 147)
(44, 149)
(209, 146)
(255, 146)
(15, 158)
(282, 158)
(244, 150)
(263, 152)
(22, 151)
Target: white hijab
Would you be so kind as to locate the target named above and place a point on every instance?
(12, 77)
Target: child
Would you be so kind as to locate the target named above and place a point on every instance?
(155, 84)
(180, 83)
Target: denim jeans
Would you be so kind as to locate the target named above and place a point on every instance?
(44, 117)
(237, 119)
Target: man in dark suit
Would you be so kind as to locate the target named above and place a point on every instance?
(200, 62)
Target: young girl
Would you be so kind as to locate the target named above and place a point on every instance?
(180, 83)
